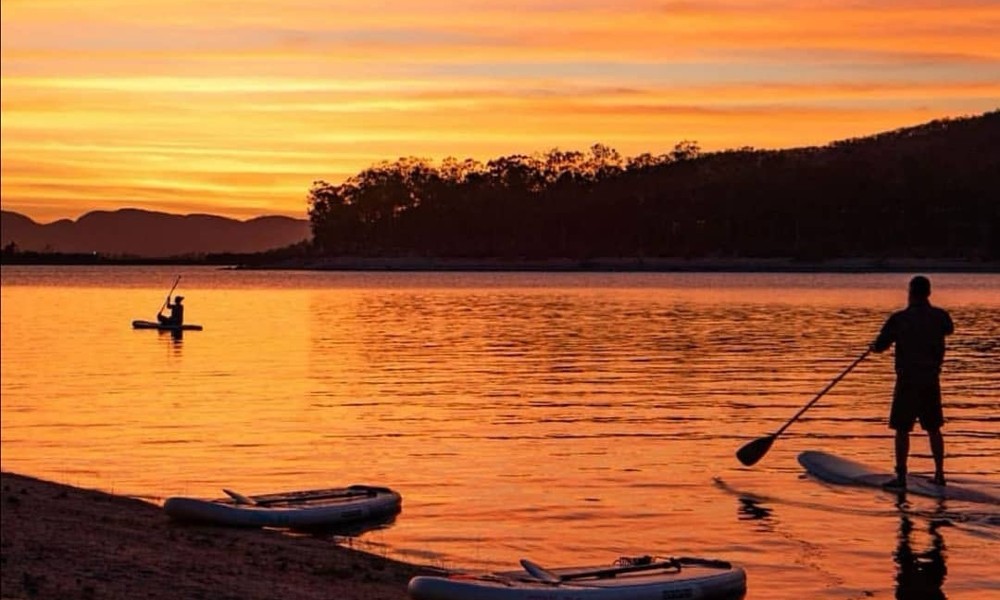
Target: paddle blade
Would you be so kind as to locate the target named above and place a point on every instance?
(752, 452)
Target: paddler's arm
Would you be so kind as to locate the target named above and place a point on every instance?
(886, 337)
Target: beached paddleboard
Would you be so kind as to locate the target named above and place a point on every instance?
(664, 579)
(307, 509)
(138, 324)
(835, 469)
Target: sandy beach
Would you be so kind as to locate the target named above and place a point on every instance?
(64, 542)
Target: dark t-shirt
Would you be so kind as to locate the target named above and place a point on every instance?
(177, 313)
(918, 332)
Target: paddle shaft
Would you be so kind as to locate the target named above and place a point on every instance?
(823, 392)
(172, 288)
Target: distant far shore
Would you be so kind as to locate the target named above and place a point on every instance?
(666, 265)
(556, 265)
(65, 542)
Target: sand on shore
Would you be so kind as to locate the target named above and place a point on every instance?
(64, 542)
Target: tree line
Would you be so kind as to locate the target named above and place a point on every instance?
(931, 191)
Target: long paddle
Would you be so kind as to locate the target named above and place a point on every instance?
(752, 452)
(172, 288)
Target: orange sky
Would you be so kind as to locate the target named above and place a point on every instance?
(235, 108)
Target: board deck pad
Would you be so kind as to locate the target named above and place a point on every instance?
(844, 471)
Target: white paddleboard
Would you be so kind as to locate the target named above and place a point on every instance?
(296, 510)
(839, 470)
(655, 582)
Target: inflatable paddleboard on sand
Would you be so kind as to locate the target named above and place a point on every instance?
(835, 469)
(295, 510)
(666, 579)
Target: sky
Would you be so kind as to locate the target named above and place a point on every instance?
(236, 107)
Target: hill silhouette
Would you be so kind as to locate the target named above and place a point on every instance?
(141, 233)
(929, 191)
(924, 192)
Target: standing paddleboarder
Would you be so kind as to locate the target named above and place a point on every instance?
(918, 332)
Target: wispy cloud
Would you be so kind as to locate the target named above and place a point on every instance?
(239, 106)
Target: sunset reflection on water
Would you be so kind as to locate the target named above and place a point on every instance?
(567, 418)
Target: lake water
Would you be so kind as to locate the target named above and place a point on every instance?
(567, 418)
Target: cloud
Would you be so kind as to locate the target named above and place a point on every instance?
(243, 104)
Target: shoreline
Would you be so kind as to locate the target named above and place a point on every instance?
(410, 264)
(549, 265)
(634, 265)
(61, 541)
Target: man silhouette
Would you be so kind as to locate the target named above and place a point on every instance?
(176, 318)
(918, 332)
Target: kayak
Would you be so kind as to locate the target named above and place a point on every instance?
(306, 509)
(838, 470)
(634, 579)
(138, 324)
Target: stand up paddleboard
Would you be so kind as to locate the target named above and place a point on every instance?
(656, 580)
(161, 327)
(307, 509)
(838, 470)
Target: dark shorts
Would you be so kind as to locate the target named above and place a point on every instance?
(916, 398)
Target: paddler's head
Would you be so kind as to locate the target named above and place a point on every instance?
(920, 289)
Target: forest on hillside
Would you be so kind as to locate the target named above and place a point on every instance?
(931, 191)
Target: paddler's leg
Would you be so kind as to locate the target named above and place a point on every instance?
(931, 420)
(902, 453)
(901, 420)
(937, 450)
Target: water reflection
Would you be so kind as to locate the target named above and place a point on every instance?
(341, 531)
(524, 390)
(175, 339)
(752, 509)
(919, 575)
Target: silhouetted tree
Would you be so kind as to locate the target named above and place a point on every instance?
(926, 191)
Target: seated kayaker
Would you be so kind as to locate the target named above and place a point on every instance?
(176, 318)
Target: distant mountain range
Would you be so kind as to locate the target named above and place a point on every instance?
(142, 233)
